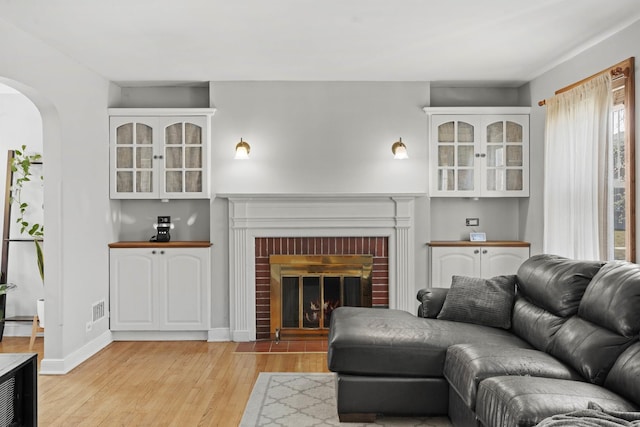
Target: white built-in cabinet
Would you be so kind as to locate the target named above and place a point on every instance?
(479, 152)
(160, 288)
(484, 260)
(158, 153)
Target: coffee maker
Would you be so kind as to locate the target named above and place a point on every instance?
(162, 229)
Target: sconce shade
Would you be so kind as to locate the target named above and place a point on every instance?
(399, 150)
(242, 150)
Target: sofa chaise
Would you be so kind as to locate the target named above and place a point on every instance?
(508, 351)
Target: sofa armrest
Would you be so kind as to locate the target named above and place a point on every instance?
(431, 301)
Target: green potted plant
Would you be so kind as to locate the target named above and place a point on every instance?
(21, 167)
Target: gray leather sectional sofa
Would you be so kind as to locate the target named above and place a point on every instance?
(570, 338)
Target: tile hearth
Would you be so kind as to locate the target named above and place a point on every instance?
(268, 346)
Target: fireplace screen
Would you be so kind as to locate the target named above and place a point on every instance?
(306, 289)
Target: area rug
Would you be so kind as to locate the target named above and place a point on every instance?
(308, 399)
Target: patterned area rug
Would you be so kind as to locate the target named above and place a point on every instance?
(300, 400)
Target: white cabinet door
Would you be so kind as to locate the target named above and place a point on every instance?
(133, 148)
(504, 156)
(449, 261)
(133, 290)
(497, 261)
(474, 261)
(184, 170)
(455, 142)
(160, 289)
(159, 157)
(185, 294)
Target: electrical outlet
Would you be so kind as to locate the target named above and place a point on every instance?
(473, 222)
(89, 326)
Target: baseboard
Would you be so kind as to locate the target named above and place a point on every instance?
(64, 366)
(159, 335)
(219, 335)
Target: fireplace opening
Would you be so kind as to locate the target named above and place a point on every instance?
(305, 289)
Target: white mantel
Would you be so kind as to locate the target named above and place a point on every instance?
(250, 217)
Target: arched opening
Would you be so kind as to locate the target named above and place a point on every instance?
(20, 126)
(49, 130)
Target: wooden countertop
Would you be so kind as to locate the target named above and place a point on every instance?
(463, 243)
(170, 244)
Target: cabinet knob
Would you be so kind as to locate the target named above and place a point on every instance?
(477, 251)
(483, 155)
(484, 251)
(477, 154)
(161, 252)
(153, 252)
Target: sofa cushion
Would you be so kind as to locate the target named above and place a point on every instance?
(467, 365)
(387, 342)
(613, 297)
(431, 301)
(556, 283)
(485, 302)
(525, 401)
(534, 324)
(588, 348)
(624, 377)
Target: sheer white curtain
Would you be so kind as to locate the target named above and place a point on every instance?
(576, 188)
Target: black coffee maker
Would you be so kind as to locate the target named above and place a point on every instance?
(162, 229)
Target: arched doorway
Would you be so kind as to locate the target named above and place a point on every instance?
(21, 125)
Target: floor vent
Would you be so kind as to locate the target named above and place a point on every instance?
(98, 311)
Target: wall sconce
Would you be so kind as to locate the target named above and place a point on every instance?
(242, 150)
(399, 150)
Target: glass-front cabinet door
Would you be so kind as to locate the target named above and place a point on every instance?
(184, 157)
(455, 150)
(132, 158)
(162, 157)
(506, 149)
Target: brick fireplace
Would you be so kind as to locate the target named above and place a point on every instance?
(263, 225)
(267, 246)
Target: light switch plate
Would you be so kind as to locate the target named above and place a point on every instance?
(473, 222)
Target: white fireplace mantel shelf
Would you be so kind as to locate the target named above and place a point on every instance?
(289, 215)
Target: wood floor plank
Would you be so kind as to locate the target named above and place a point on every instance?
(175, 383)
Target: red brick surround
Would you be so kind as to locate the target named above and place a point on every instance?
(265, 246)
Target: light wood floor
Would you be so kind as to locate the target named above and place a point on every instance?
(185, 383)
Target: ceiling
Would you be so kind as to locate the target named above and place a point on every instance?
(505, 42)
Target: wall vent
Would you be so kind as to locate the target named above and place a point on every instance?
(98, 311)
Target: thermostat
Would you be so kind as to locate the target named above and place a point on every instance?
(478, 237)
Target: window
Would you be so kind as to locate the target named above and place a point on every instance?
(622, 165)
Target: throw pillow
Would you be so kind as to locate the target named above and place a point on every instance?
(487, 302)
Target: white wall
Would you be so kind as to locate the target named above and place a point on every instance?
(319, 137)
(72, 101)
(617, 48)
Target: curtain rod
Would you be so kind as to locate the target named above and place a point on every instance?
(616, 73)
